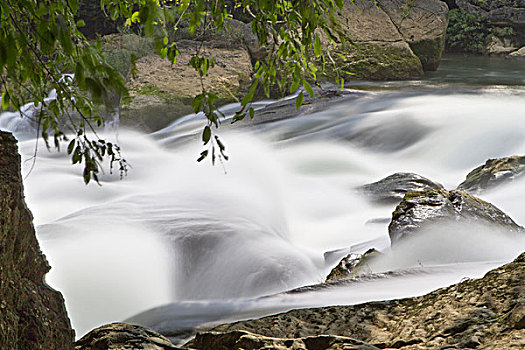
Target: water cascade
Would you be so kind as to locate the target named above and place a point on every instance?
(194, 243)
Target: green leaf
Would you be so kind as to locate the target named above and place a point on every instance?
(308, 89)
(5, 100)
(299, 100)
(203, 155)
(206, 134)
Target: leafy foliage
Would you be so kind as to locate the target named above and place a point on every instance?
(40, 42)
(466, 32)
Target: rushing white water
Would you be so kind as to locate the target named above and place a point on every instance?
(210, 241)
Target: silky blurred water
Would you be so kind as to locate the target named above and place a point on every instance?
(197, 243)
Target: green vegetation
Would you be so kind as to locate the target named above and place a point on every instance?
(470, 34)
(40, 41)
(466, 32)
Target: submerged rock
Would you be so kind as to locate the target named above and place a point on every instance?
(486, 312)
(121, 336)
(421, 208)
(493, 173)
(393, 188)
(32, 315)
(353, 265)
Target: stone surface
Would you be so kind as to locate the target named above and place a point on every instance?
(506, 12)
(493, 173)
(485, 313)
(391, 39)
(161, 92)
(242, 340)
(393, 188)
(421, 208)
(423, 25)
(353, 265)
(518, 53)
(33, 316)
(123, 336)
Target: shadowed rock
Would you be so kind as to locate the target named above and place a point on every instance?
(393, 188)
(353, 265)
(493, 173)
(420, 208)
(32, 315)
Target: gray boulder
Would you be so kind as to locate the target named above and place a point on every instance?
(393, 188)
(421, 208)
(122, 336)
(493, 173)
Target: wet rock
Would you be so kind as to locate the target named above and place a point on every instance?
(518, 53)
(32, 315)
(122, 336)
(353, 265)
(421, 208)
(242, 340)
(393, 188)
(474, 313)
(493, 173)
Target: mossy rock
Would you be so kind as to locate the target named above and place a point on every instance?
(429, 52)
(376, 62)
(394, 187)
(493, 173)
(353, 265)
(418, 209)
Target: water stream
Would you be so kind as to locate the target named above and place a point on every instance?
(178, 244)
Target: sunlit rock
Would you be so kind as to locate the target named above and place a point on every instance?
(242, 340)
(486, 312)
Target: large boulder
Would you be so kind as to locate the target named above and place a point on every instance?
(391, 39)
(393, 188)
(33, 315)
(493, 173)
(423, 25)
(483, 313)
(160, 92)
(419, 209)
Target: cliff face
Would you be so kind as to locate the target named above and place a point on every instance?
(32, 315)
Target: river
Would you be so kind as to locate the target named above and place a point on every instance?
(177, 244)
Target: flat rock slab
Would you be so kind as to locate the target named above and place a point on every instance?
(486, 313)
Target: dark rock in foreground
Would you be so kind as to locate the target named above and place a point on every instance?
(493, 173)
(393, 188)
(421, 208)
(121, 336)
(486, 313)
(242, 340)
(353, 265)
(32, 315)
